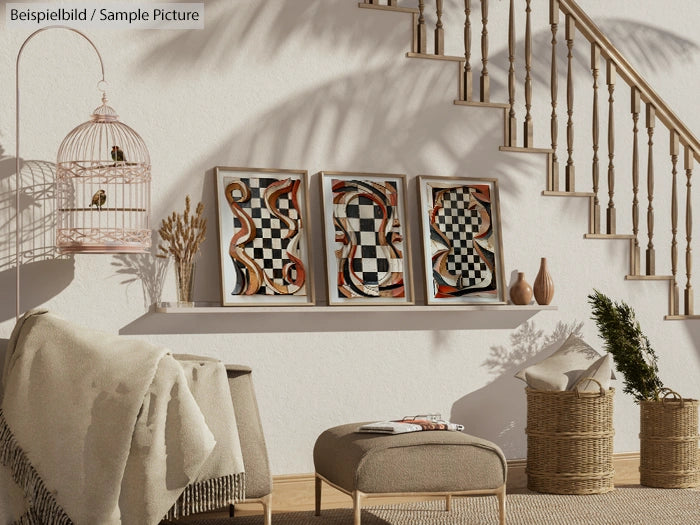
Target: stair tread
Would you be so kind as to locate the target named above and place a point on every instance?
(475, 103)
(649, 277)
(398, 9)
(436, 57)
(608, 236)
(549, 193)
(518, 149)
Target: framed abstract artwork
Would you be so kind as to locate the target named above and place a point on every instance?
(366, 238)
(263, 237)
(462, 245)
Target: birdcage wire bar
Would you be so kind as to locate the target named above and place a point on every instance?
(103, 187)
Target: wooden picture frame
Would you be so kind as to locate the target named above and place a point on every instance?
(366, 238)
(264, 237)
(462, 241)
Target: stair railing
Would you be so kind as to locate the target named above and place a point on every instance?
(645, 103)
(656, 112)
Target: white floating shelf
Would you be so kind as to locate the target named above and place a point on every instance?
(214, 308)
(211, 318)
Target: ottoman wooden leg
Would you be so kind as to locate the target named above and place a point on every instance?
(267, 508)
(448, 503)
(502, 505)
(319, 486)
(357, 506)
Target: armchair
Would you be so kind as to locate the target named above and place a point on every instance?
(255, 459)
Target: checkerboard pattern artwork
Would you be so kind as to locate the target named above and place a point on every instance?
(365, 219)
(460, 224)
(269, 246)
(370, 264)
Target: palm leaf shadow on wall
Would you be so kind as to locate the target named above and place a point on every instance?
(266, 27)
(330, 117)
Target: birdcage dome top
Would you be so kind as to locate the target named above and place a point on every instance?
(103, 141)
(104, 113)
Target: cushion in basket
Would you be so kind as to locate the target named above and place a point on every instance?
(562, 369)
(601, 371)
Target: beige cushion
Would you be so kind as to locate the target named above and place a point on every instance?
(428, 461)
(562, 369)
(601, 371)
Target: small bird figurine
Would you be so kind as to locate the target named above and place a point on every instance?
(98, 199)
(117, 154)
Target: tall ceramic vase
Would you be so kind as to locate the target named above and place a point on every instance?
(544, 286)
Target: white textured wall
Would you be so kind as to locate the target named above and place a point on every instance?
(323, 85)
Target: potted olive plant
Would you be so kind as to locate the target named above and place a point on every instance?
(668, 423)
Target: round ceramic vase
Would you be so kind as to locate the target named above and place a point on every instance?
(521, 291)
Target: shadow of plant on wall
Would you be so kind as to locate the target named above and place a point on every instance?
(415, 124)
(144, 268)
(234, 28)
(646, 46)
(503, 400)
(527, 342)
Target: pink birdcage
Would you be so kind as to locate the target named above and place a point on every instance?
(103, 187)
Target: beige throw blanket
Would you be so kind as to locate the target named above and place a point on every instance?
(103, 429)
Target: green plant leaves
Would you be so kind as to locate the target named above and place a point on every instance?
(634, 357)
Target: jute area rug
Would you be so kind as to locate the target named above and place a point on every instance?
(623, 506)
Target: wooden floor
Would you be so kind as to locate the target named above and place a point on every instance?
(295, 493)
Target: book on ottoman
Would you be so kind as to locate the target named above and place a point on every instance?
(411, 424)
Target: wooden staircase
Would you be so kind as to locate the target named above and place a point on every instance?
(604, 56)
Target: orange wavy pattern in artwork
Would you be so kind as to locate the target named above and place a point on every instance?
(368, 238)
(286, 274)
(461, 234)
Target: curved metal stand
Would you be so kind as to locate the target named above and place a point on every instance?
(17, 174)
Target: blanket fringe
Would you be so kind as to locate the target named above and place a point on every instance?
(208, 495)
(43, 509)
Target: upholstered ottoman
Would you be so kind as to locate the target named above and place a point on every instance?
(426, 463)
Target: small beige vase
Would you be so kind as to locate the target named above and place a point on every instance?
(521, 291)
(544, 286)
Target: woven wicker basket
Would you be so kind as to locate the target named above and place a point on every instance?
(669, 442)
(570, 441)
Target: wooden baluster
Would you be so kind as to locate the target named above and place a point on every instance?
(439, 31)
(610, 80)
(651, 252)
(512, 122)
(570, 172)
(688, 165)
(595, 67)
(527, 125)
(636, 107)
(467, 81)
(422, 31)
(484, 81)
(675, 150)
(554, 127)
